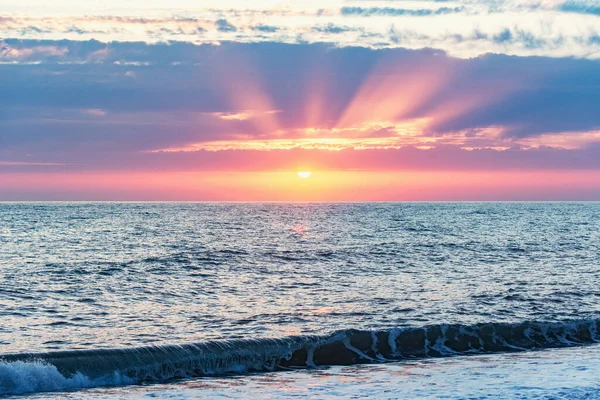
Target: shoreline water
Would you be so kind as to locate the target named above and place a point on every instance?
(567, 373)
(114, 367)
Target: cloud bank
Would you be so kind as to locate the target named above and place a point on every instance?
(464, 29)
(96, 106)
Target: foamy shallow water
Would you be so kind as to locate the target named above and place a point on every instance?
(547, 374)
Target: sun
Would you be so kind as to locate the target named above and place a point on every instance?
(303, 174)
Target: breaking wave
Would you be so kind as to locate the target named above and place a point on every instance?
(68, 370)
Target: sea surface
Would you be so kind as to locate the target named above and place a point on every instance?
(319, 300)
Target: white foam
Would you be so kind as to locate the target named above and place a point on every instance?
(440, 342)
(393, 335)
(21, 377)
(348, 345)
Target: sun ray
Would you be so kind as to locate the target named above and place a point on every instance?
(245, 91)
(392, 91)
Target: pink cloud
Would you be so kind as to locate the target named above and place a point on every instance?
(12, 53)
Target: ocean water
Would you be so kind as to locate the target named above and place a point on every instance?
(406, 300)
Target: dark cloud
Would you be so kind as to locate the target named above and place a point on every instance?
(594, 39)
(388, 11)
(33, 30)
(81, 31)
(520, 36)
(529, 40)
(332, 28)
(224, 26)
(266, 28)
(580, 8)
(504, 36)
(478, 35)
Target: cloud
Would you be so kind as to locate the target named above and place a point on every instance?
(242, 115)
(9, 52)
(581, 8)
(265, 28)
(446, 158)
(224, 26)
(388, 11)
(28, 164)
(95, 112)
(466, 29)
(332, 28)
(138, 98)
(504, 36)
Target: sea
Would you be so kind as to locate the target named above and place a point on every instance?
(300, 300)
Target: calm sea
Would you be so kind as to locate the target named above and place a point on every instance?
(236, 300)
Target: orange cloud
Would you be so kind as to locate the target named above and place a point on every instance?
(242, 115)
(562, 140)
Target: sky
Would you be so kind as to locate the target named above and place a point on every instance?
(228, 100)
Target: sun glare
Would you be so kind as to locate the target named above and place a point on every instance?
(303, 174)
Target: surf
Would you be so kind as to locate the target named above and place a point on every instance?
(78, 369)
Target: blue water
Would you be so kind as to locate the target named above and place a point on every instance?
(77, 278)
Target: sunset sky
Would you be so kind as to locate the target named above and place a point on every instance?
(228, 100)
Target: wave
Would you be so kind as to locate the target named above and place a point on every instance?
(75, 369)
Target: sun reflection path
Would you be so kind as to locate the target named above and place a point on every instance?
(300, 229)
